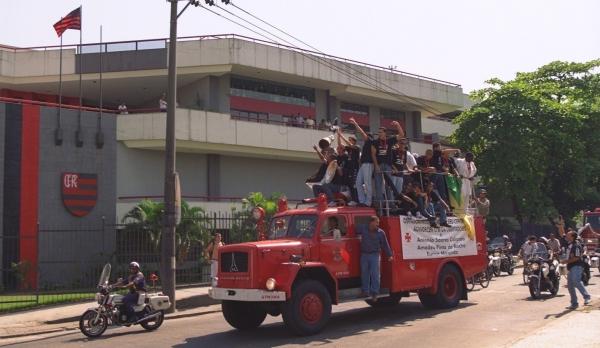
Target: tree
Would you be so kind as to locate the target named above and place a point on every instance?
(194, 227)
(535, 138)
(243, 228)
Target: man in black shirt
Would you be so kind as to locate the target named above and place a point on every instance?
(381, 153)
(364, 178)
(431, 203)
(575, 267)
(349, 161)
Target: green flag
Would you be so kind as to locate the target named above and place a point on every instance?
(454, 185)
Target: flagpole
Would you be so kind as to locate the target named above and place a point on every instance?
(99, 135)
(58, 131)
(79, 135)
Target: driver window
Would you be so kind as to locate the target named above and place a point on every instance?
(334, 227)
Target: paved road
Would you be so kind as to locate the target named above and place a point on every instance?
(500, 315)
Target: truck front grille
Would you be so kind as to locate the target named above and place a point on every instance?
(234, 262)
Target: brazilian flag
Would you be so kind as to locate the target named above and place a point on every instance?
(454, 185)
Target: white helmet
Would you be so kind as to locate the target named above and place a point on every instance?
(134, 264)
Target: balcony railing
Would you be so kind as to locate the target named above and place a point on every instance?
(162, 42)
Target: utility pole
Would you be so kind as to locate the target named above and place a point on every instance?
(172, 194)
(168, 233)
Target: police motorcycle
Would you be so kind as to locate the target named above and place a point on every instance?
(543, 275)
(110, 311)
(502, 262)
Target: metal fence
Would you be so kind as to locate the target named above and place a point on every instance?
(68, 261)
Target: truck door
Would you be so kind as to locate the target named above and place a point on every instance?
(334, 244)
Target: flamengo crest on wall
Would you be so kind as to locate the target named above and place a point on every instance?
(79, 192)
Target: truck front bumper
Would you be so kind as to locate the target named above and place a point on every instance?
(248, 295)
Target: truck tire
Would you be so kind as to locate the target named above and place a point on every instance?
(449, 292)
(243, 315)
(308, 310)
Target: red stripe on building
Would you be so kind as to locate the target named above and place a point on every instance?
(79, 213)
(79, 192)
(79, 203)
(28, 230)
(362, 120)
(87, 181)
(257, 105)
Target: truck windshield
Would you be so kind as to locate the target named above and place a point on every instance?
(293, 226)
(594, 221)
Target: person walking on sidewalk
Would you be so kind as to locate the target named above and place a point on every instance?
(575, 267)
(212, 253)
(372, 241)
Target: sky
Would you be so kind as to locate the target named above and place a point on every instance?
(461, 41)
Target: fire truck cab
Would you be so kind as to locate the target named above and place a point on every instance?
(311, 260)
(591, 241)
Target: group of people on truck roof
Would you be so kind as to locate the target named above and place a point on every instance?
(385, 174)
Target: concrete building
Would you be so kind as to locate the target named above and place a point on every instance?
(236, 100)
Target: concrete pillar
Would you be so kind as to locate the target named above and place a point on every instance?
(416, 126)
(334, 109)
(374, 118)
(408, 125)
(321, 104)
(223, 93)
(213, 174)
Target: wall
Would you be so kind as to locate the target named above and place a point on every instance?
(70, 245)
(239, 176)
(2, 138)
(141, 172)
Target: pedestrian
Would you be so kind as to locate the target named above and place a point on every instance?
(123, 109)
(310, 123)
(373, 240)
(483, 204)
(212, 254)
(162, 103)
(575, 266)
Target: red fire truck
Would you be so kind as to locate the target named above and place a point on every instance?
(305, 265)
(591, 241)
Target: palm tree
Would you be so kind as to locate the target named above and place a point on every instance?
(148, 215)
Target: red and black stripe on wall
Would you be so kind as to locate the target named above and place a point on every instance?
(21, 189)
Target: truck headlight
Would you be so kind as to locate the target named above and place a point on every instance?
(271, 284)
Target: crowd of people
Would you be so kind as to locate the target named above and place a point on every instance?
(385, 174)
(568, 249)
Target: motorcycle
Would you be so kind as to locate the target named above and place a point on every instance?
(490, 267)
(543, 276)
(586, 275)
(507, 264)
(110, 311)
(496, 259)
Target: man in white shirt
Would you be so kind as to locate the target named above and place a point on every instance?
(466, 170)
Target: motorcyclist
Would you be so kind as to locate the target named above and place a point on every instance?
(136, 283)
(542, 250)
(507, 245)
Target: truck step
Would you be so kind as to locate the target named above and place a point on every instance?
(349, 295)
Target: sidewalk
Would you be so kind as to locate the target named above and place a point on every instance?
(190, 301)
(578, 328)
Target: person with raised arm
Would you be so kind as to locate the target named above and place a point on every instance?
(364, 179)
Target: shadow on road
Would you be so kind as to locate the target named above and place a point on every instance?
(352, 322)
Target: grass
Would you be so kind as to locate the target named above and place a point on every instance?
(10, 303)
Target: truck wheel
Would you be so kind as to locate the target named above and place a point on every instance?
(450, 290)
(309, 309)
(243, 315)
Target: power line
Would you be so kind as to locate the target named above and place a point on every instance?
(425, 105)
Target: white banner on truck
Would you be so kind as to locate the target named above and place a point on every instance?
(421, 241)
